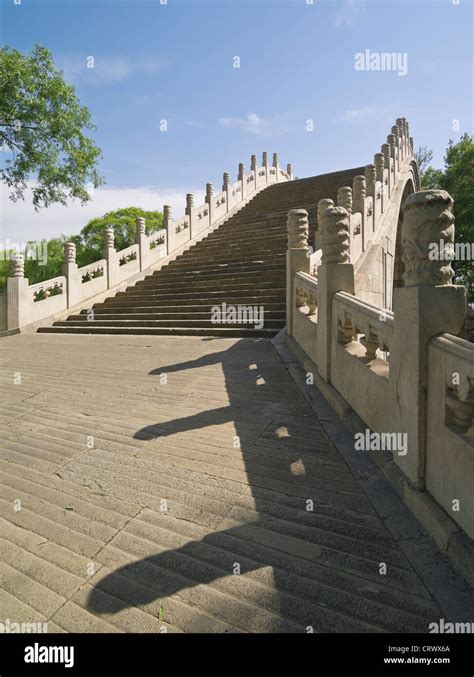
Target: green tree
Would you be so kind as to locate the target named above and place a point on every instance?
(44, 127)
(458, 180)
(89, 243)
(91, 240)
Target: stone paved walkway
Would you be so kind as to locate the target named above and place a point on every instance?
(151, 470)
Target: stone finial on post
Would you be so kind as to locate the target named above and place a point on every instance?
(189, 204)
(142, 241)
(17, 265)
(227, 190)
(276, 165)
(166, 215)
(322, 206)
(359, 193)
(344, 198)
(298, 229)
(253, 164)
(370, 179)
(412, 145)
(69, 252)
(397, 147)
(140, 227)
(379, 162)
(387, 159)
(401, 136)
(18, 299)
(335, 274)
(428, 304)
(427, 239)
(109, 237)
(289, 170)
(209, 192)
(240, 177)
(111, 257)
(297, 257)
(335, 235)
(167, 227)
(71, 273)
(391, 141)
(208, 199)
(265, 161)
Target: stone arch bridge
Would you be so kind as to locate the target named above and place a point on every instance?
(259, 419)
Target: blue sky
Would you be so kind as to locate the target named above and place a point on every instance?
(174, 62)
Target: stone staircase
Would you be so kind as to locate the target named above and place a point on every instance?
(241, 263)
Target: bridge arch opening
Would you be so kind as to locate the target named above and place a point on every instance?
(398, 266)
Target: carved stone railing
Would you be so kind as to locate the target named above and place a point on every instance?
(450, 427)
(93, 278)
(45, 290)
(369, 202)
(47, 297)
(365, 331)
(403, 374)
(20, 308)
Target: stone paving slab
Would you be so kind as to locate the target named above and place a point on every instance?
(156, 483)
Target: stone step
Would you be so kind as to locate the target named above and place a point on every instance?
(221, 273)
(175, 322)
(184, 301)
(162, 331)
(194, 308)
(243, 262)
(177, 315)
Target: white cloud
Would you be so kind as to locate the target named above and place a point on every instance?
(99, 69)
(20, 222)
(346, 14)
(359, 114)
(252, 123)
(258, 126)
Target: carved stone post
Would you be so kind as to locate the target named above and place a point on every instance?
(18, 299)
(358, 205)
(297, 258)
(266, 165)
(427, 304)
(210, 201)
(370, 180)
(240, 177)
(334, 274)
(370, 188)
(398, 150)
(142, 241)
(110, 255)
(254, 169)
(322, 206)
(73, 279)
(401, 137)
(167, 225)
(344, 198)
(227, 189)
(189, 211)
(276, 165)
(391, 141)
(289, 171)
(388, 165)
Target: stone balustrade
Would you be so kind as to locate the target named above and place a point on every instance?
(404, 373)
(450, 427)
(23, 305)
(369, 200)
